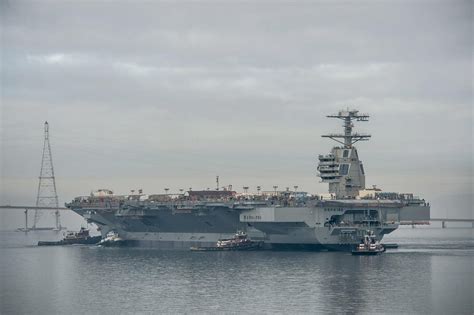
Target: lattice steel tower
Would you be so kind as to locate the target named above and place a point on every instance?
(47, 195)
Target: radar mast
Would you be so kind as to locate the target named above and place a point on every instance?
(348, 137)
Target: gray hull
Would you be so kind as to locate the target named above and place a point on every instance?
(300, 228)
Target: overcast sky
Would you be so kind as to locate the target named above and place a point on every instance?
(170, 94)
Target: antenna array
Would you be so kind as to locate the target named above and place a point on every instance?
(348, 137)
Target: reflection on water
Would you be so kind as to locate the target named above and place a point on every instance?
(82, 279)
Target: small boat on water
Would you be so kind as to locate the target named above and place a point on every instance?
(369, 245)
(112, 239)
(71, 238)
(240, 241)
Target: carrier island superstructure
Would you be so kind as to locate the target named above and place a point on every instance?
(287, 219)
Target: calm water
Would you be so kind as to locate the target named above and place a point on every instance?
(431, 272)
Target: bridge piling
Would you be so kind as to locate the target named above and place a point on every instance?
(26, 220)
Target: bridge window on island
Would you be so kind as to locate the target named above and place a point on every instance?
(362, 168)
(344, 169)
(346, 153)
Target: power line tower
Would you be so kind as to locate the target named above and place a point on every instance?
(47, 195)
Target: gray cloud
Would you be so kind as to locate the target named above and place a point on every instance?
(165, 93)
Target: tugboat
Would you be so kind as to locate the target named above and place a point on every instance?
(82, 237)
(112, 239)
(369, 245)
(240, 241)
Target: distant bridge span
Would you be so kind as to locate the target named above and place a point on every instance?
(442, 220)
(32, 208)
(451, 220)
(26, 209)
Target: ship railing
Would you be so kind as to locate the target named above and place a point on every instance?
(351, 225)
(361, 204)
(327, 157)
(106, 204)
(188, 205)
(328, 163)
(130, 213)
(328, 168)
(155, 205)
(274, 201)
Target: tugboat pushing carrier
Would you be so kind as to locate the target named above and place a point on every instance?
(240, 241)
(369, 246)
(74, 238)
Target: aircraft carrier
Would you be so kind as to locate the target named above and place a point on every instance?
(288, 219)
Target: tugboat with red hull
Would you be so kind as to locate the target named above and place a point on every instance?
(72, 238)
(369, 246)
